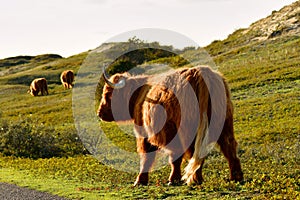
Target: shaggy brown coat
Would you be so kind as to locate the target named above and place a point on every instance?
(38, 85)
(166, 117)
(67, 78)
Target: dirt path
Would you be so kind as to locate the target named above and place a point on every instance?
(13, 192)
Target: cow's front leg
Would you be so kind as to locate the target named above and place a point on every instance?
(147, 156)
(175, 175)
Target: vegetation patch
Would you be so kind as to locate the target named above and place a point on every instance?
(40, 148)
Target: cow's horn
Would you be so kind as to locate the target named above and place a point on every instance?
(118, 85)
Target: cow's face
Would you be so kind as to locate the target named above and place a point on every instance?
(104, 110)
(113, 102)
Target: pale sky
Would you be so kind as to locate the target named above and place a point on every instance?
(68, 27)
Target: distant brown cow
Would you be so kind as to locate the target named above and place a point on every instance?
(183, 112)
(67, 78)
(38, 85)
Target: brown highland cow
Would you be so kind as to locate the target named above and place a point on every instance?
(38, 85)
(183, 112)
(67, 78)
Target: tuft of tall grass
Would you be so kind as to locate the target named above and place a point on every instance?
(31, 139)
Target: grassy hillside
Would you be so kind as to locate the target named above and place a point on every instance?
(263, 72)
(48, 116)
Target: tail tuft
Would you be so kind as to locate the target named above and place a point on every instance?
(199, 153)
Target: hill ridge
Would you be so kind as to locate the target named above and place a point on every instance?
(286, 21)
(280, 24)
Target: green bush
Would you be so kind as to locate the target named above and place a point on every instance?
(31, 139)
(121, 65)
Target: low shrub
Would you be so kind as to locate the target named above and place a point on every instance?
(31, 139)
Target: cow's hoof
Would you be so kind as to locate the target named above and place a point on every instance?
(175, 183)
(237, 176)
(141, 179)
(138, 183)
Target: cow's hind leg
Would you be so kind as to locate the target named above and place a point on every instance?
(46, 89)
(197, 178)
(147, 156)
(175, 175)
(228, 147)
(193, 172)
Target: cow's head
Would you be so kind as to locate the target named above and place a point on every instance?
(32, 92)
(115, 97)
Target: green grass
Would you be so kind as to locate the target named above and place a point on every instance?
(265, 83)
(84, 177)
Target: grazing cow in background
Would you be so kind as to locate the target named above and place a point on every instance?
(67, 78)
(38, 85)
(166, 118)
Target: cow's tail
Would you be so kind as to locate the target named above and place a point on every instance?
(211, 92)
(198, 157)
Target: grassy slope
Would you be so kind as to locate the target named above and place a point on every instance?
(265, 81)
(15, 102)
